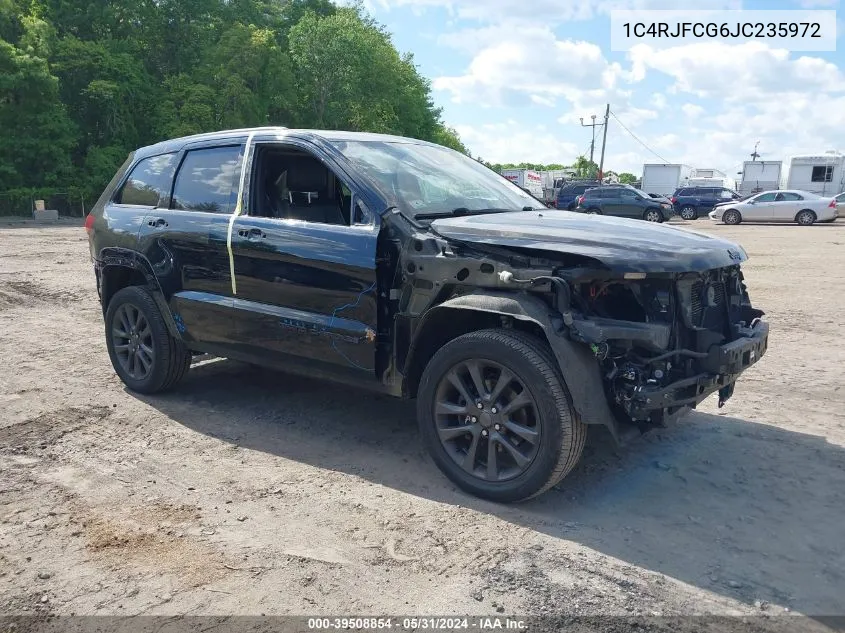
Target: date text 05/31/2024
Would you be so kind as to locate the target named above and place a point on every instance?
(416, 624)
(725, 29)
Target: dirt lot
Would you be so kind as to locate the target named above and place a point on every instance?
(249, 492)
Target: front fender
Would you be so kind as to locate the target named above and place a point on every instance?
(577, 363)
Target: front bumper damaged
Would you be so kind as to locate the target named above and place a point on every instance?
(722, 368)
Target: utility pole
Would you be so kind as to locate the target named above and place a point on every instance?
(592, 125)
(603, 144)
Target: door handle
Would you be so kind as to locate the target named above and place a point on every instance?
(252, 234)
(157, 223)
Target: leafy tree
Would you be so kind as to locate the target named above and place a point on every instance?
(585, 168)
(627, 178)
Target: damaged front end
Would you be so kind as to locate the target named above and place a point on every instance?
(633, 346)
(665, 342)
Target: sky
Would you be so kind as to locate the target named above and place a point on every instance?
(515, 76)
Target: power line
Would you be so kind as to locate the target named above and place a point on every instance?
(637, 138)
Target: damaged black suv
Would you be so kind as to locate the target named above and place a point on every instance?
(413, 269)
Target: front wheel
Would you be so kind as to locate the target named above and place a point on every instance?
(496, 416)
(594, 211)
(731, 216)
(653, 215)
(805, 217)
(144, 355)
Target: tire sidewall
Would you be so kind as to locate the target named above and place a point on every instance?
(693, 214)
(648, 212)
(732, 213)
(551, 434)
(141, 299)
(801, 214)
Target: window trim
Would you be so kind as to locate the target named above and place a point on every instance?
(299, 145)
(118, 191)
(828, 173)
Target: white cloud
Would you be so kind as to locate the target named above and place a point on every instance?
(551, 11)
(510, 142)
(659, 101)
(742, 71)
(692, 110)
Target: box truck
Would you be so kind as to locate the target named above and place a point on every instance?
(527, 179)
(664, 179)
(760, 175)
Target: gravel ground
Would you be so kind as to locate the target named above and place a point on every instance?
(253, 492)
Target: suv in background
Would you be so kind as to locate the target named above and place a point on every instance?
(692, 202)
(623, 202)
(567, 196)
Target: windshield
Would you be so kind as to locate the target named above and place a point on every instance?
(427, 179)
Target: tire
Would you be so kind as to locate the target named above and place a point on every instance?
(732, 217)
(805, 217)
(688, 212)
(594, 211)
(653, 215)
(168, 359)
(570, 206)
(559, 436)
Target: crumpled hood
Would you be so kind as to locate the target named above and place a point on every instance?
(620, 244)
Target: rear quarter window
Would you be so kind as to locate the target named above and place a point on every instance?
(149, 182)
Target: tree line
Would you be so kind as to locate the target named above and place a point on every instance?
(84, 82)
(583, 167)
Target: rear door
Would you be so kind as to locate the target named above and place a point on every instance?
(786, 206)
(186, 243)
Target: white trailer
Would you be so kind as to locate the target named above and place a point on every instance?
(823, 174)
(663, 179)
(760, 175)
(719, 182)
(527, 179)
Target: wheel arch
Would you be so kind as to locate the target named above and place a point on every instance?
(815, 215)
(487, 309)
(122, 267)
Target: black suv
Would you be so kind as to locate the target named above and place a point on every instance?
(623, 202)
(405, 267)
(567, 195)
(692, 202)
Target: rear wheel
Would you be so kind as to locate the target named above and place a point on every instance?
(653, 215)
(594, 211)
(731, 216)
(805, 217)
(688, 212)
(144, 355)
(496, 417)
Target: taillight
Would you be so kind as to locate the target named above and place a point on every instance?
(673, 200)
(832, 204)
(89, 223)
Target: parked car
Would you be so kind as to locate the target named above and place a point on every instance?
(568, 194)
(404, 267)
(802, 207)
(623, 202)
(692, 202)
(665, 202)
(840, 203)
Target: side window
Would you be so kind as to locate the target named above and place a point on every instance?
(149, 183)
(766, 197)
(289, 183)
(788, 196)
(208, 180)
(822, 173)
(726, 194)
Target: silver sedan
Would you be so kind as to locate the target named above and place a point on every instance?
(789, 205)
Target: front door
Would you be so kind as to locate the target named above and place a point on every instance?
(305, 270)
(760, 209)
